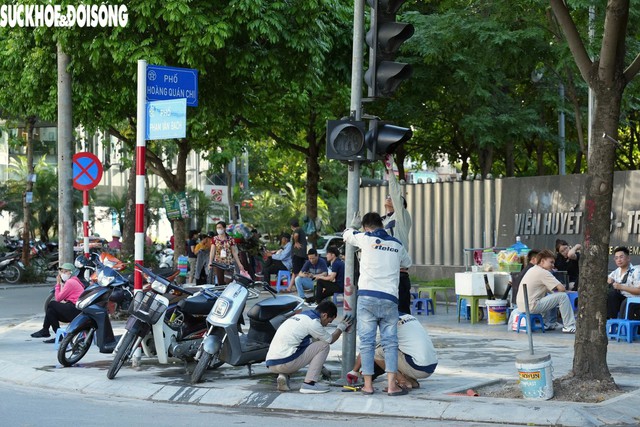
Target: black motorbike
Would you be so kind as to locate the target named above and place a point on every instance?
(11, 268)
(164, 329)
(93, 323)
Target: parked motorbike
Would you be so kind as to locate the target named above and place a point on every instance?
(164, 256)
(174, 333)
(11, 268)
(225, 342)
(93, 321)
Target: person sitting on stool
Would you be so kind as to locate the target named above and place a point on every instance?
(312, 269)
(67, 290)
(331, 282)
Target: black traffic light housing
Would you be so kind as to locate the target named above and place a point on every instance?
(385, 138)
(384, 39)
(346, 140)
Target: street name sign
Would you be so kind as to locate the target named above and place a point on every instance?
(166, 119)
(172, 83)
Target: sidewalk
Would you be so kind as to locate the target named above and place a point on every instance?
(470, 356)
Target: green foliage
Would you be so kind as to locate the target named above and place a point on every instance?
(32, 275)
(45, 196)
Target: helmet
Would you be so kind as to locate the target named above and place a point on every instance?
(116, 233)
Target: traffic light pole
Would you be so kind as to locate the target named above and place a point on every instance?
(353, 183)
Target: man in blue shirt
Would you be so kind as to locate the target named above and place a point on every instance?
(280, 259)
(313, 268)
(332, 281)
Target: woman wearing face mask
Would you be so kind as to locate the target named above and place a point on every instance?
(223, 251)
(67, 290)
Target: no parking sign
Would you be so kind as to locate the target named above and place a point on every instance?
(87, 171)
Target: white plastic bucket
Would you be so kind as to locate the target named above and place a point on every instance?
(535, 375)
(496, 311)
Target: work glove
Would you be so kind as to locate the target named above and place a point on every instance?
(346, 322)
(356, 221)
(352, 377)
(388, 162)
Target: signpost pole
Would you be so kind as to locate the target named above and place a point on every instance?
(141, 148)
(85, 221)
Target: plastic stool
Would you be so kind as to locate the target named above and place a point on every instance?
(473, 301)
(335, 299)
(282, 274)
(573, 299)
(433, 292)
(613, 329)
(537, 322)
(421, 306)
(60, 334)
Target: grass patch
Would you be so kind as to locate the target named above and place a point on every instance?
(447, 282)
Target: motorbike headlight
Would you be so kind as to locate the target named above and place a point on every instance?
(221, 307)
(78, 263)
(159, 287)
(104, 279)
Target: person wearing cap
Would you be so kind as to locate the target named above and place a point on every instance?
(67, 291)
(115, 244)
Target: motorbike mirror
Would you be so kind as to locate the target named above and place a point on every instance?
(269, 289)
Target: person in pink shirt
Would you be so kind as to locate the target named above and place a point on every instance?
(67, 291)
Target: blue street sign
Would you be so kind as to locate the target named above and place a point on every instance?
(172, 83)
(167, 119)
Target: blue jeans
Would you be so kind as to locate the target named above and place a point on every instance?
(302, 284)
(373, 313)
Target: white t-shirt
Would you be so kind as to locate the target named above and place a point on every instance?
(633, 279)
(414, 341)
(294, 335)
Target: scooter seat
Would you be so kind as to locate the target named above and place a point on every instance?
(197, 305)
(271, 307)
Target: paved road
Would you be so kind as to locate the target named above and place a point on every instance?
(21, 302)
(470, 356)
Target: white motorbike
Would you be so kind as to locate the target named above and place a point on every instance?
(225, 342)
(164, 256)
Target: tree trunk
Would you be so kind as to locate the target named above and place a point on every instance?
(311, 186)
(509, 161)
(26, 206)
(590, 357)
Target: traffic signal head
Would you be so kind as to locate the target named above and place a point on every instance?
(346, 140)
(384, 138)
(384, 39)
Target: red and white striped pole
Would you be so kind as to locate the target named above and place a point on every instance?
(141, 150)
(85, 221)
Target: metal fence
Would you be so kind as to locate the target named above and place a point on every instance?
(449, 217)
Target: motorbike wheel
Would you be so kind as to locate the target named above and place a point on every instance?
(124, 353)
(206, 361)
(12, 273)
(74, 346)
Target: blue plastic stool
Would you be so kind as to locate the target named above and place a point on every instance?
(60, 334)
(537, 322)
(337, 302)
(282, 274)
(422, 306)
(573, 299)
